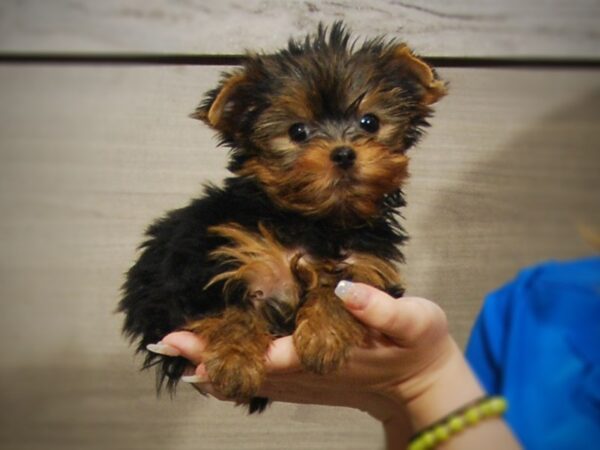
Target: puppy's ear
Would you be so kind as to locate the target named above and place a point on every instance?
(433, 87)
(213, 110)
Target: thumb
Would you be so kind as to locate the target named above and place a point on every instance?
(404, 320)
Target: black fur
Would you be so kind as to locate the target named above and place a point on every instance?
(165, 289)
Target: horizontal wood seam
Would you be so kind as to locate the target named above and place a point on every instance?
(228, 60)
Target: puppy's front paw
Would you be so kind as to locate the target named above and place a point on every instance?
(236, 375)
(235, 352)
(323, 345)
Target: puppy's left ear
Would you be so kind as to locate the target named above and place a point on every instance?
(433, 88)
(219, 102)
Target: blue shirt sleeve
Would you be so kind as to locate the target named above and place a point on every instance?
(537, 342)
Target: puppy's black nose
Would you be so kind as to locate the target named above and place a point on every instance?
(343, 157)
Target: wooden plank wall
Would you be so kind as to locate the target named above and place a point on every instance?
(435, 27)
(90, 154)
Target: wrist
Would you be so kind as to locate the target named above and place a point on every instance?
(383, 409)
(394, 420)
(444, 386)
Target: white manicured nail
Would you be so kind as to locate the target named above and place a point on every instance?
(351, 294)
(342, 290)
(163, 349)
(193, 379)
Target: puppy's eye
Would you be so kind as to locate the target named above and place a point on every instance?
(369, 123)
(298, 132)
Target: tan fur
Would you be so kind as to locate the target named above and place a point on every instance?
(325, 332)
(260, 262)
(434, 87)
(392, 129)
(218, 106)
(314, 186)
(294, 103)
(236, 344)
(324, 329)
(371, 270)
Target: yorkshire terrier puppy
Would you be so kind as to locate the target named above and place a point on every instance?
(318, 134)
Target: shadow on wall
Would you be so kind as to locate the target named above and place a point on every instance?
(521, 205)
(81, 406)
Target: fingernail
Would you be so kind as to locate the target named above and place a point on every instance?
(162, 349)
(193, 379)
(351, 294)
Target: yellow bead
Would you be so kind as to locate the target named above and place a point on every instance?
(456, 424)
(498, 405)
(472, 416)
(486, 409)
(429, 439)
(417, 445)
(441, 433)
(490, 407)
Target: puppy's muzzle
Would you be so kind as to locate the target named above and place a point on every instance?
(343, 157)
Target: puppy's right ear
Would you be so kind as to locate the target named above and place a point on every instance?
(219, 102)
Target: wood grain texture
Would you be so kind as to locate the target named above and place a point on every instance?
(89, 156)
(553, 28)
(506, 177)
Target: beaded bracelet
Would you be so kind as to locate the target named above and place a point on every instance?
(457, 421)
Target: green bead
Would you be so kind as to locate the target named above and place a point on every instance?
(417, 445)
(498, 405)
(472, 416)
(493, 406)
(429, 439)
(486, 409)
(456, 424)
(441, 433)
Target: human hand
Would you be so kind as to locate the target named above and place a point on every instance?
(408, 338)
(409, 374)
(285, 381)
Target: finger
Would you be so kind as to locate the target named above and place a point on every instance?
(403, 320)
(289, 394)
(189, 345)
(208, 389)
(282, 356)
